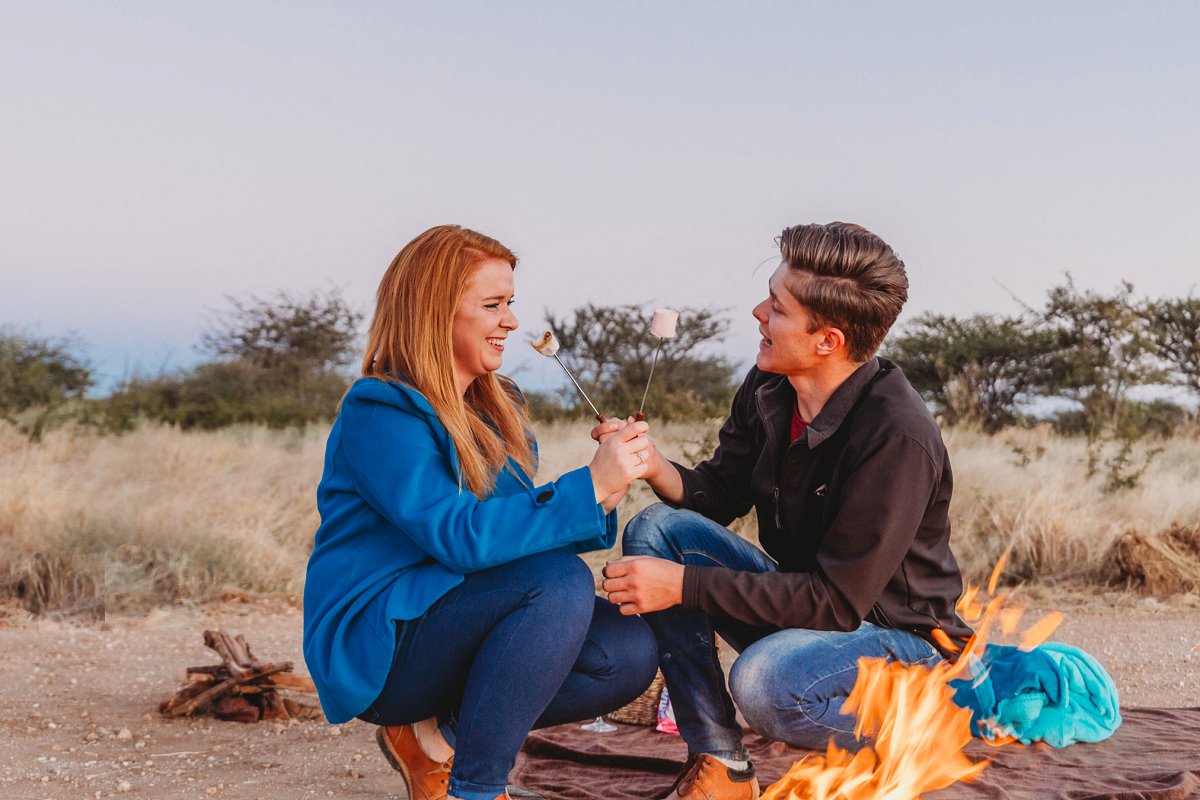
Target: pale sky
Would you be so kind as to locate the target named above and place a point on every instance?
(156, 157)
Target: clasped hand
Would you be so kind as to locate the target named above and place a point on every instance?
(619, 460)
(603, 431)
(636, 584)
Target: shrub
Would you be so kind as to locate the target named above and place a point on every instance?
(39, 380)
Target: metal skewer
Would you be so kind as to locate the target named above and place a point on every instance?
(547, 345)
(640, 415)
(599, 416)
(663, 327)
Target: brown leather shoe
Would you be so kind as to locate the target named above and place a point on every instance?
(706, 778)
(424, 778)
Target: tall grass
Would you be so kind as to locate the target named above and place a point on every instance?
(1061, 503)
(91, 523)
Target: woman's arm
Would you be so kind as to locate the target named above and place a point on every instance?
(401, 461)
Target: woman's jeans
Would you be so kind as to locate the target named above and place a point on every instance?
(520, 646)
(789, 683)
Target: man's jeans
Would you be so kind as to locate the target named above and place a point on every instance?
(789, 683)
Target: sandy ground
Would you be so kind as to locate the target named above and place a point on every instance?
(80, 721)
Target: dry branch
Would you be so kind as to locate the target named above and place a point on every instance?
(241, 688)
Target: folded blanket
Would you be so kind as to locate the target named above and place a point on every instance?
(1054, 693)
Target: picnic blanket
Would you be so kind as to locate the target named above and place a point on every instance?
(1154, 755)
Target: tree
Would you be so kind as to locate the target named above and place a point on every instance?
(294, 346)
(278, 361)
(1104, 350)
(317, 331)
(609, 349)
(1175, 338)
(38, 377)
(974, 369)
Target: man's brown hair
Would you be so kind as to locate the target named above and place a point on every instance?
(847, 278)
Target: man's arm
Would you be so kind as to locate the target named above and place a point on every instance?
(663, 477)
(884, 502)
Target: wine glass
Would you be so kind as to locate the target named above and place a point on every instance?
(599, 726)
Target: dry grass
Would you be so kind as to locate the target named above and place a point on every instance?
(157, 516)
(91, 523)
(1030, 489)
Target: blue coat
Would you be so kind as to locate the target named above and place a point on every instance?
(397, 533)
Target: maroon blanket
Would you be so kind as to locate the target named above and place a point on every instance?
(1154, 755)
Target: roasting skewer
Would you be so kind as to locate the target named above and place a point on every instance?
(663, 326)
(547, 345)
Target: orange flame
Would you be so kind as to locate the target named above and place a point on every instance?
(919, 739)
(908, 710)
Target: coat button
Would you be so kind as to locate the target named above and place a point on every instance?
(545, 496)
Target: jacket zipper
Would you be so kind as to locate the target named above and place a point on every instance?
(778, 521)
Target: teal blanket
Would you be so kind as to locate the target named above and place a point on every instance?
(1054, 693)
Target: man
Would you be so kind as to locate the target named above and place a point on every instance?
(851, 481)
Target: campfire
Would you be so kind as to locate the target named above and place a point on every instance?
(241, 688)
(919, 734)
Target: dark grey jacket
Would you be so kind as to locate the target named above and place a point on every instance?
(855, 512)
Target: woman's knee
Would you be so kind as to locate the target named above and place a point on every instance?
(639, 652)
(556, 579)
(619, 650)
(633, 658)
(620, 640)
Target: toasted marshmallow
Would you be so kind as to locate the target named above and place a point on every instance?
(546, 344)
(663, 325)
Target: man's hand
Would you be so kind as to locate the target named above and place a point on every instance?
(639, 584)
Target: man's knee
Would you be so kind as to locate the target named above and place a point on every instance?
(659, 530)
(791, 705)
(649, 532)
(760, 691)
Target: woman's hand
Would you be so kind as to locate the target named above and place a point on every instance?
(607, 428)
(655, 462)
(619, 461)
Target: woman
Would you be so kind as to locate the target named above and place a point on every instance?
(444, 601)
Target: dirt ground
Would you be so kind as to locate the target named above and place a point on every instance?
(80, 721)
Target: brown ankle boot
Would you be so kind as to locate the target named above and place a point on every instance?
(706, 778)
(424, 778)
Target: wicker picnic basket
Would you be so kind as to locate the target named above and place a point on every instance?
(644, 708)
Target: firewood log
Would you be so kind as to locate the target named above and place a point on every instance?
(236, 709)
(272, 705)
(241, 687)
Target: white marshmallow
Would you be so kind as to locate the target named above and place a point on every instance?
(546, 344)
(663, 325)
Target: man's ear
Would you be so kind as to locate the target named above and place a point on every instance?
(832, 342)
